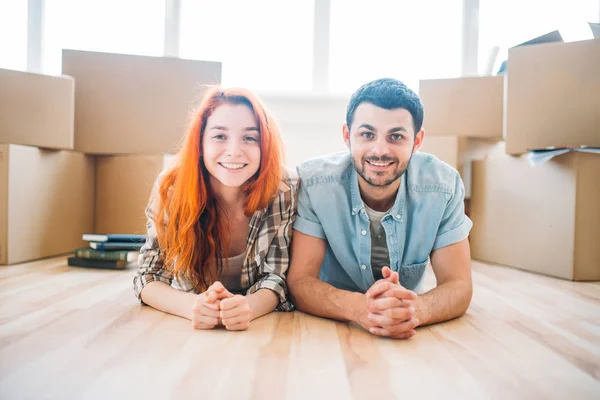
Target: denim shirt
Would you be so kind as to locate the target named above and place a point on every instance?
(428, 214)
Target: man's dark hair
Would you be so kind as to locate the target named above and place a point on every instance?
(390, 94)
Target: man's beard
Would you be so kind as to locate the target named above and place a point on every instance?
(400, 169)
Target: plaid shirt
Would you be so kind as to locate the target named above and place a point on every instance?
(267, 249)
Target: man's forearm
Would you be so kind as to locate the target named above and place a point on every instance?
(313, 296)
(447, 301)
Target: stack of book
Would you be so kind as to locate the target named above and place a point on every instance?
(113, 251)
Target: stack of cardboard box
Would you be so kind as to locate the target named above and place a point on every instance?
(463, 121)
(46, 189)
(79, 153)
(546, 218)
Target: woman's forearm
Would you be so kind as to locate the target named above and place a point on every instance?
(262, 302)
(170, 300)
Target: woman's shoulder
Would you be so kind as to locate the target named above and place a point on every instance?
(166, 177)
(287, 192)
(289, 180)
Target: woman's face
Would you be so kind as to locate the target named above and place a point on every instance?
(231, 145)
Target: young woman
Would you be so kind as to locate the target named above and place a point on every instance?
(220, 219)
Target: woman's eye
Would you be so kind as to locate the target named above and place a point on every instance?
(219, 137)
(251, 139)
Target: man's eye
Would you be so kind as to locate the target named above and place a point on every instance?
(397, 136)
(367, 135)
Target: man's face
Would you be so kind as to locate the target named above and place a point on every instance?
(381, 143)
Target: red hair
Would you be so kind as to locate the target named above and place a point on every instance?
(193, 236)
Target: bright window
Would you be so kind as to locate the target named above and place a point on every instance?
(13, 34)
(115, 26)
(508, 23)
(264, 45)
(403, 39)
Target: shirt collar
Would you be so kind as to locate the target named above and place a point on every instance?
(397, 210)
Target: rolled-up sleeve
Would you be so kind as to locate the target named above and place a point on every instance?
(307, 221)
(151, 258)
(273, 269)
(455, 225)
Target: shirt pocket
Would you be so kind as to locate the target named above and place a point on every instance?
(412, 275)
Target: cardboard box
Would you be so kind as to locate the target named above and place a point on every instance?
(36, 110)
(46, 202)
(544, 219)
(459, 152)
(127, 104)
(469, 107)
(552, 96)
(123, 187)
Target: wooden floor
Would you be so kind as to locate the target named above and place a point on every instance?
(75, 333)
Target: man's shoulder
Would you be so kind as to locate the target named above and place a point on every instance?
(289, 180)
(330, 168)
(428, 173)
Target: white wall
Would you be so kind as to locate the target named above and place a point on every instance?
(311, 125)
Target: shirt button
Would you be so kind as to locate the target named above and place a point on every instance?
(363, 232)
(363, 266)
(397, 215)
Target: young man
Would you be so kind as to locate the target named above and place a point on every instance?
(370, 219)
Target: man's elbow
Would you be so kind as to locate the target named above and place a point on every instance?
(466, 297)
(296, 284)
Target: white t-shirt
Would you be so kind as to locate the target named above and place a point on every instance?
(230, 276)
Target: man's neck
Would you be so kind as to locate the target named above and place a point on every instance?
(378, 198)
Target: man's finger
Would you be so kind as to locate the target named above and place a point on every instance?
(405, 335)
(378, 288)
(386, 272)
(381, 320)
(384, 302)
(398, 314)
(391, 317)
(384, 333)
(399, 292)
(392, 307)
(390, 275)
(395, 330)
